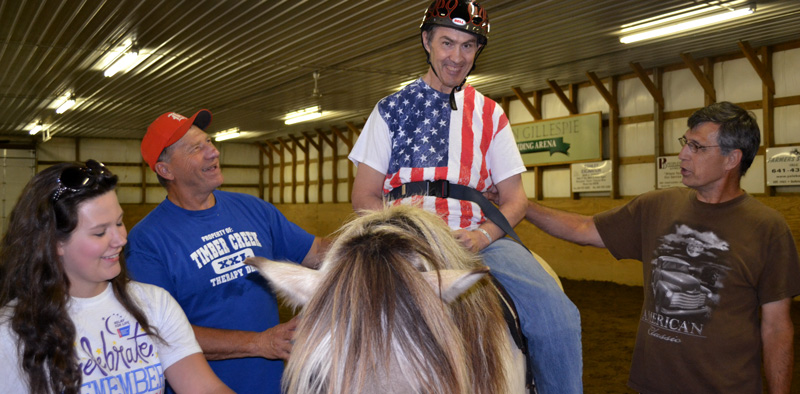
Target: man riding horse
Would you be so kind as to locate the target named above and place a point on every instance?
(439, 143)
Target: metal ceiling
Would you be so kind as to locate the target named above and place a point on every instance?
(250, 62)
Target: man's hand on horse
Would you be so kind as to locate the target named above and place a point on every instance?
(276, 342)
(473, 240)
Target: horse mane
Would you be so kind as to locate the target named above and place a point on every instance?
(374, 318)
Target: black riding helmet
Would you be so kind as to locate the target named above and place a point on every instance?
(465, 15)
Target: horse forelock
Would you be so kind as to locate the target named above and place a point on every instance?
(375, 316)
(371, 305)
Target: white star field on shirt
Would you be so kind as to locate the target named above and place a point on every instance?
(418, 125)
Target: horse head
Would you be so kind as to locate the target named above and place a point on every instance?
(389, 310)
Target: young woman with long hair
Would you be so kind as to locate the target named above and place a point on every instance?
(71, 321)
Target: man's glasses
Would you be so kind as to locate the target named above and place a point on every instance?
(693, 145)
(74, 179)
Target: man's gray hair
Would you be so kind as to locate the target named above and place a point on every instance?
(738, 129)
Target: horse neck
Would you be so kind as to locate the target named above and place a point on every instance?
(340, 347)
(488, 340)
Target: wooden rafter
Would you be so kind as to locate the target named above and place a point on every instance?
(353, 128)
(598, 84)
(563, 97)
(700, 76)
(347, 140)
(761, 69)
(655, 92)
(535, 112)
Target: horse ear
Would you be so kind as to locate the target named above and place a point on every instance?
(454, 282)
(293, 282)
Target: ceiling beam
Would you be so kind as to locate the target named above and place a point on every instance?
(658, 96)
(598, 84)
(763, 72)
(535, 112)
(573, 110)
(707, 85)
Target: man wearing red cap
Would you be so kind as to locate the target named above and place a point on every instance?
(194, 243)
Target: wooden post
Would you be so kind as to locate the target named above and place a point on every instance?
(280, 175)
(768, 111)
(144, 167)
(658, 123)
(332, 143)
(348, 140)
(304, 149)
(294, 168)
(613, 127)
(318, 147)
(262, 152)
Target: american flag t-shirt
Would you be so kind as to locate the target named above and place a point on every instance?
(429, 141)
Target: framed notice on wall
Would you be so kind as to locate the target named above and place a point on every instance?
(591, 177)
(783, 166)
(560, 140)
(668, 172)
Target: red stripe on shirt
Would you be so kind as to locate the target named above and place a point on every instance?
(466, 214)
(441, 208)
(467, 136)
(501, 123)
(440, 173)
(467, 141)
(486, 139)
(394, 181)
(417, 174)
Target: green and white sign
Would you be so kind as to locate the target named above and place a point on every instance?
(560, 140)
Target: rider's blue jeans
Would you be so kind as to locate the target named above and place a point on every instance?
(549, 320)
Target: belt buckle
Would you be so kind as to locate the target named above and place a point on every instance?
(403, 190)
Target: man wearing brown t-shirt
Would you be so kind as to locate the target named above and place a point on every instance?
(713, 257)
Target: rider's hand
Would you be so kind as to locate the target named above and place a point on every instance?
(473, 240)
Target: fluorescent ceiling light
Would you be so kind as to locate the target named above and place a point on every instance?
(122, 58)
(66, 105)
(122, 63)
(668, 17)
(227, 134)
(37, 128)
(303, 115)
(683, 26)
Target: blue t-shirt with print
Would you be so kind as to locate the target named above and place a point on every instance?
(198, 257)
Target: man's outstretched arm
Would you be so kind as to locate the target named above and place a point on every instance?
(568, 226)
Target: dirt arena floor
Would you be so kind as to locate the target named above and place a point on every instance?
(609, 317)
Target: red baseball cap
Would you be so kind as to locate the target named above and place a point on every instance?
(167, 130)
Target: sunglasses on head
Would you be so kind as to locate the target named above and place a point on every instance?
(74, 179)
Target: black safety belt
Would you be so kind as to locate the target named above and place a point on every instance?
(445, 189)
